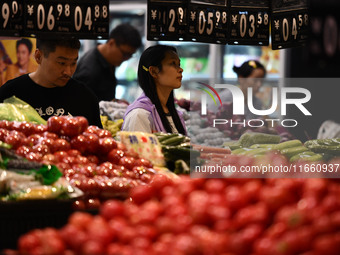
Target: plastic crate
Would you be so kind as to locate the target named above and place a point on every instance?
(19, 217)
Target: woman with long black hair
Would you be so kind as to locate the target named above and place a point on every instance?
(159, 73)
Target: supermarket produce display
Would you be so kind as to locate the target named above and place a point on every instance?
(212, 216)
(130, 193)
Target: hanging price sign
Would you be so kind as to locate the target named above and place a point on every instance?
(208, 21)
(11, 20)
(249, 22)
(290, 23)
(83, 19)
(167, 20)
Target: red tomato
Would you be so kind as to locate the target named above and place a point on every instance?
(34, 156)
(79, 143)
(54, 124)
(142, 193)
(35, 139)
(127, 162)
(214, 185)
(235, 197)
(111, 209)
(256, 213)
(16, 139)
(59, 155)
(326, 244)
(40, 128)
(92, 129)
(23, 150)
(92, 143)
(103, 133)
(61, 145)
(92, 247)
(143, 162)
(49, 159)
(80, 219)
(93, 159)
(73, 153)
(71, 127)
(106, 145)
(41, 148)
(26, 128)
(50, 135)
(3, 134)
(115, 155)
(5, 124)
(159, 181)
(82, 122)
(92, 203)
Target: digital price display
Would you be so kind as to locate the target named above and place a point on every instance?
(166, 20)
(11, 18)
(208, 21)
(83, 19)
(289, 23)
(249, 22)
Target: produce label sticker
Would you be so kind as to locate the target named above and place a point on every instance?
(145, 145)
(265, 128)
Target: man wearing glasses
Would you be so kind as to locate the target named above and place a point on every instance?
(96, 69)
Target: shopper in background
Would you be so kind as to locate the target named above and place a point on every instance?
(96, 69)
(24, 62)
(159, 73)
(50, 89)
(249, 75)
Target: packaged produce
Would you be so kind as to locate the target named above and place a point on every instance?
(14, 108)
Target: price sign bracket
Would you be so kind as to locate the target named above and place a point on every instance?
(11, 17)
(83, 19)
(208, 21)
(167, 20)
(290, 23)
(249, 22)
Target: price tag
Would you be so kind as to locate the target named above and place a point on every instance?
(208, 21)
(83, 19)
(11, 17)
(167, 20)
(249, 22)
(290, 23)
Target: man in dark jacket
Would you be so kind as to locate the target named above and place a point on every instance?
(96, 69)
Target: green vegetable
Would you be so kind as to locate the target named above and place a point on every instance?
(176, 140)
(290, 152)
(258, 151)
(161, 139)
(288, 144)
(328, 146)
(255, 146)
(240, 150)
(233, 145)
(49, 174)
(302, 155)
(250, 138)
(181, 167)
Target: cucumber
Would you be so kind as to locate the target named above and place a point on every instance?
(233, 145)
(302, 155)
(166, 137)
(176, 140)
(265, 145)
(257, 151)
(290, 152)
(250, 138)
(240, 150)
(288, 144)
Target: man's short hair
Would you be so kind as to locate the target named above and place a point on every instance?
(48, 46)
(26, 42)
(126, 34)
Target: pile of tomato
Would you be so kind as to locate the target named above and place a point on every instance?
(88, 156)
(204, 216)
